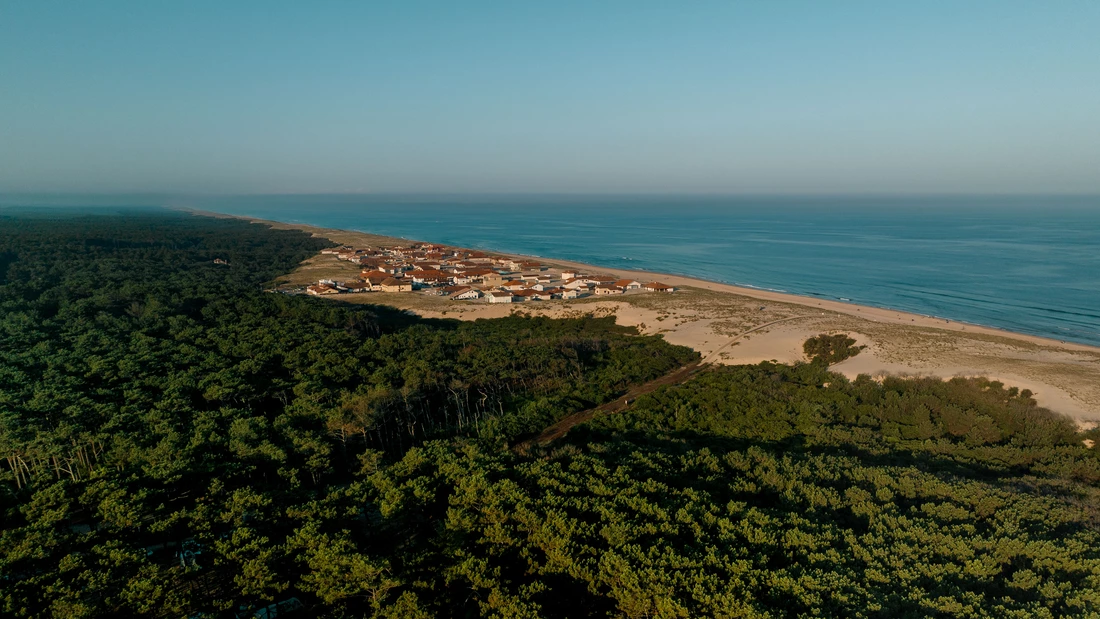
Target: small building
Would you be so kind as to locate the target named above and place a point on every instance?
(466, 294)
(322, 289)
(659, 287)
(601, 280)
(428, 276)
(500, 296)
(606, 290)
(527, 295)
(628, 284)
(391, 284)
(571, 293)
(355, 286)
(374, 278)
(576, 284)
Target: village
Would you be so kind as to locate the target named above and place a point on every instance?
(469, 275)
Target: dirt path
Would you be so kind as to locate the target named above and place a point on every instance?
(680, 375)
(564, 425)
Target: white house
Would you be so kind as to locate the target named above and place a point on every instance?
(628, 284)
(500, 296)
(575, 284)
(354, 286)
(467, 294)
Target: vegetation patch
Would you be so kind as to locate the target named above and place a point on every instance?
(830, 349)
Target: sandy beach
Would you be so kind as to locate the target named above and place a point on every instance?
(735, 325)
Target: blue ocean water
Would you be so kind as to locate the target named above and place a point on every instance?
(1026, 264)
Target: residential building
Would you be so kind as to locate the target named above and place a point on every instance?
(396, 285)
(322, 289)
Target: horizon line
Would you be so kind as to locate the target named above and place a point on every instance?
(578, 194)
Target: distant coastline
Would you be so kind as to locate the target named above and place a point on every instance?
(708, 316)
(1017, 265)
(870, 312)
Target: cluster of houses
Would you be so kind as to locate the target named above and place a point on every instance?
(467, 275)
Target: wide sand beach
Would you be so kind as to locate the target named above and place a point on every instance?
(735, 325)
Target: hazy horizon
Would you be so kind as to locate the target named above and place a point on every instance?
(423, 98)
(174, 199)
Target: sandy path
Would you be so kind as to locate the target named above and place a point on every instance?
(563, 426)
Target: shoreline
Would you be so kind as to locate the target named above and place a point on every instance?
(853, 309)
(715, 319)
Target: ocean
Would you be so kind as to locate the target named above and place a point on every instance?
(1025, 264)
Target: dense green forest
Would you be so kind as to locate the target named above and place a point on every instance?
(178, 442)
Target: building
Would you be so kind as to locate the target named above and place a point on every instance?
(374, 278)
(395, 285)
(466, 294)
(355, 286)
(429, 276)
(322, 289)
(492, 279)
(628, 284)
(576, 284)
(659, 287)
(605, 290)
(600, 280)
(500, 296)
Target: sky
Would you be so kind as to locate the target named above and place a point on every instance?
(778, 96)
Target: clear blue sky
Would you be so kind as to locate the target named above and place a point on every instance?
(724, 97)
